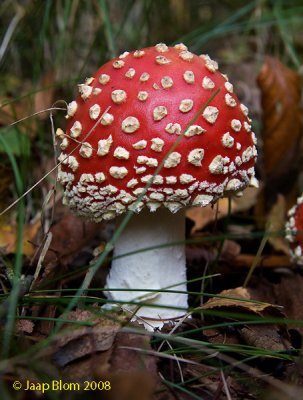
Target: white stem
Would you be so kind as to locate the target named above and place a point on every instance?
(153, 269)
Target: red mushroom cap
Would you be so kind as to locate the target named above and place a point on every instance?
(130, 114)
(294, 231)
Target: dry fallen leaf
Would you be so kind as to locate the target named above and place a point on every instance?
(239, 300)
(44, 98)
(133, 374)
(201, 216)
(104, 353)
(8, 237)
(290, 391)
(289, 293)
(70, 234)
(276, 221)
(6, 179)
(75, 341)
(282, 127)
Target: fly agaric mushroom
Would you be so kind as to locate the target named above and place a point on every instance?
(294, 231)
(118, 154)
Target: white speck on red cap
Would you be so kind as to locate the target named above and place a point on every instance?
(161, 47)
(85, 91)
(172, 160)
(227, 140)
(234, 185)
(210, 114)
(195, 157)
(159, 113)
(139, 53)
(71, 109)
(202, 200)
(100, 177)
(107, 119)
(130, 73)
(207, 83)
(86, 150)
(186, 105)
(124, 55)
(210, 64)
(60, 133)
(244, 109)
(186, 55)
(64, 144)
(247, 126)
(117, 64)
(236, 125)
(229, 87)
(194, 130)
(230, 101)
(149, 161)
(132, 183)
(104, 79)
(189, 77)
(142, 95)
(96, 91)
(171, 180)
(130, 124)
(216, 166)
(118, 96)
(118, 172)
(161, 60)
(157, 144)
(167, 82)
(186, 178)
(140, 170)
(121, 153)
(94, 111)
(173, 128)
(140, 145)
(144, 77)
(104, 146)
(180, 46)
(76, 129)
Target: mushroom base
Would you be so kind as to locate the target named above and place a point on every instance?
(154, 269)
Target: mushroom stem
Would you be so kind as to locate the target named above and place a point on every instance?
(158, 268)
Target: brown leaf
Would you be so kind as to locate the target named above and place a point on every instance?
(70, 235)
(133, 374)
(8, 237)
(76, 341)
(6, 179)
(289, 293)
(282, 126)
(12, 110)
(238, 298)
(263, 337)
(265, 261)
(289, 392)
(201, 216)
(276, 221)
(44, 98)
